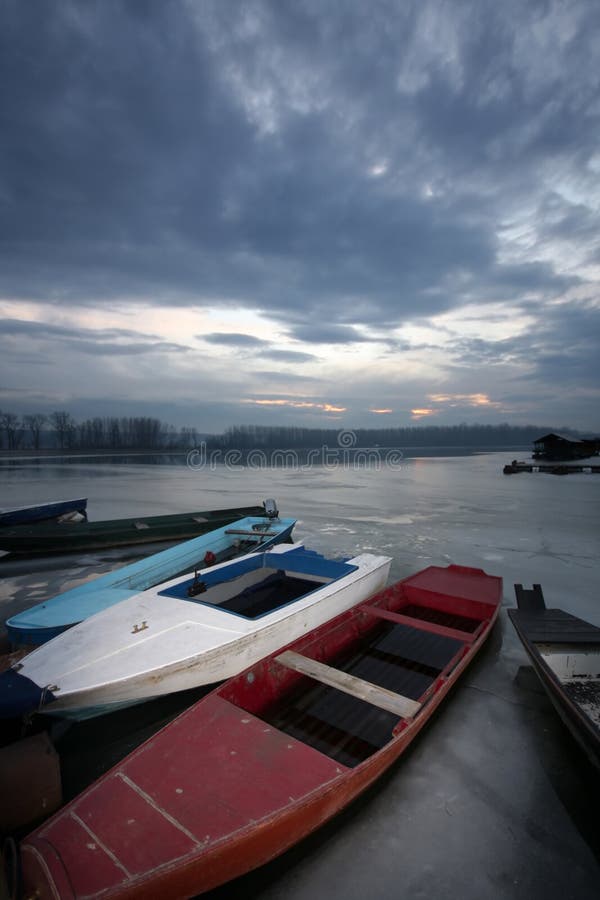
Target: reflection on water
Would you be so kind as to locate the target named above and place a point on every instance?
(255, 459)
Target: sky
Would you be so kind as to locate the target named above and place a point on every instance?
(318, 213)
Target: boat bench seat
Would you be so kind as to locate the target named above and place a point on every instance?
(357, 687)
(423, 624)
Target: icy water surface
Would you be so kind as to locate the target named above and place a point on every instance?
(462, 509)
(494, 799)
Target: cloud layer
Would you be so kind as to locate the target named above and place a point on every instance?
(387, 202)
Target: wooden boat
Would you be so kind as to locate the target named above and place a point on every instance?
(269, 756)
(69, 537)
(46, 620)
(187, 632)
(20, 515)
(565, 653)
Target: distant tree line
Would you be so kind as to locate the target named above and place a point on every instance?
(249, 437)
(61, 431)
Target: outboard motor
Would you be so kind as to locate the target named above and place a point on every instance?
(271, 510)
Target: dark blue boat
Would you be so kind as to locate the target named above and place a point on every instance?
(22, 515)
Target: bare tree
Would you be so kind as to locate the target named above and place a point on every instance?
(114, 432)
(35, 423)
(188, 437)
(64, 426)
(11, 425)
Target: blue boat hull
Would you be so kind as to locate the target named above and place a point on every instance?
(22, 515)
(46, 620)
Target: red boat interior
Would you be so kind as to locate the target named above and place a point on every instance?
(406, 641)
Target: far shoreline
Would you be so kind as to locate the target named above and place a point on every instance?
(407, 451)
(56, 453)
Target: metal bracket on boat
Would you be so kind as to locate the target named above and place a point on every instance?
(196, 587)
(48, 689)
(138, 628)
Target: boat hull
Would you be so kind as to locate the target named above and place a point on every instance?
(242, 853)
(24, 515)
(181, 832)
(69, 537)
(224, 661)
(166, 640)
(549, 632)
(46, 620)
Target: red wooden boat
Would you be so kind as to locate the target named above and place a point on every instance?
(271, 754)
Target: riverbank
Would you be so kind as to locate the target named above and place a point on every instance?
(56, 453)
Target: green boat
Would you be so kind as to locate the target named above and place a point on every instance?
(70, 537)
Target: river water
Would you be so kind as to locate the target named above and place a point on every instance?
(420, 511)
(496, 783)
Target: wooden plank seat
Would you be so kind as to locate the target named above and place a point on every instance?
(350, 684)
(422, 624)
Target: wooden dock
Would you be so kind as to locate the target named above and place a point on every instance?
(551, 468)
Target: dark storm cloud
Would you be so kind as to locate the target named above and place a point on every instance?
(525, 277)
(569, 221)
(279, 377)
(170, 151)
(562, 349)
(248, 341)
(47, 330)
(326, 334)
(230, 339)
(109, 341)
(342, 169)
(568, 348)
(291, 356)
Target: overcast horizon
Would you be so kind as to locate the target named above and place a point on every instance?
(301, 213)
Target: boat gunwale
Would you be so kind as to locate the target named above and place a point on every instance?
(46, 513)
(52, 537)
